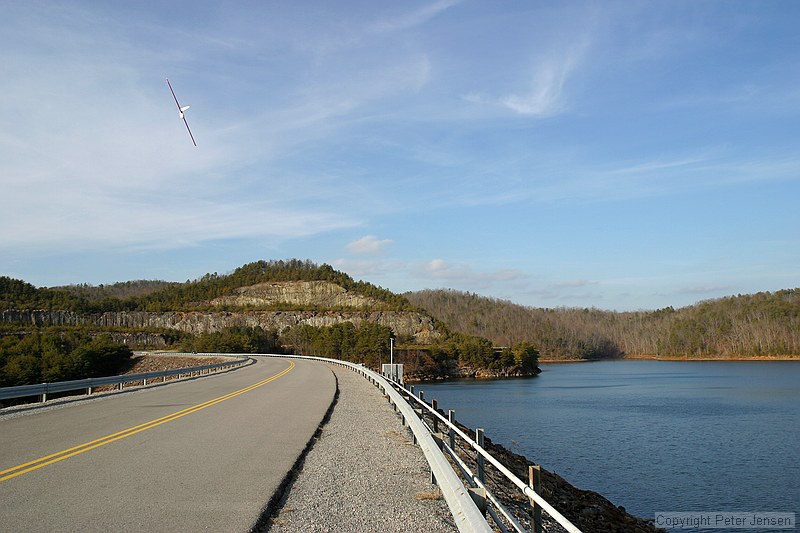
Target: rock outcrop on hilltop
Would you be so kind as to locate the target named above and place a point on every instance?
(296, 293)
(317, 303)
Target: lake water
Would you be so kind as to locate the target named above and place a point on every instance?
(651, 435)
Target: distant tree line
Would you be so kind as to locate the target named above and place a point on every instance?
(762, 324)
(234, 340)
(48, 357)
(123, 290)
(369, 344)
(159, 296)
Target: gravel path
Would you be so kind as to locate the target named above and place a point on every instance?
(363, 474)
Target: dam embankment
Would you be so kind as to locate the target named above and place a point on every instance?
(365, 454)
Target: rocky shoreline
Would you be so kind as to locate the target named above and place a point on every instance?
(586, 509)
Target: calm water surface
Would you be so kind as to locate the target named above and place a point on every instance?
(651, 435)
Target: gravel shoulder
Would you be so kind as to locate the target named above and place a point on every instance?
(363, 473)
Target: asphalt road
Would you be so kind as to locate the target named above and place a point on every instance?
(201, 455)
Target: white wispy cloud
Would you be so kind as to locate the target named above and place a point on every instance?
(704, 289)
(373, 269)
(99, 221)
(545, 95)
(543, 90)
(93, 152)
(413, 18)
(440, 270)
(575, 283)
(663, 164)
(368, 245)
(312, 119)
(715, 167)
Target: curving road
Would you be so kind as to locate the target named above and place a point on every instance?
(200, 455)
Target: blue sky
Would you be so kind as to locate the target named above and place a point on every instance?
(622, 155)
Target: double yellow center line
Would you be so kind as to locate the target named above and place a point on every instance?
(108, 439)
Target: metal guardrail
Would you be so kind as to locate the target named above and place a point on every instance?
(482, 455)
(465, 513)
(467, 516)
(43, 389)
(474, 521)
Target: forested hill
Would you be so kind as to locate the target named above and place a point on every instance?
(198, 294)
(762, 324)
(266, 306)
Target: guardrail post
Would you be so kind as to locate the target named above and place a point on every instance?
(421, 412)
(479, 497)
(451, 416)
(435, 406)
(535, 482)
(481, 465)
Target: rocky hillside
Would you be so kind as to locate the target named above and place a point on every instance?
(275, 295)
(411, 324)
(302, 294)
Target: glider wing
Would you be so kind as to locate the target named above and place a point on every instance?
(180, 112)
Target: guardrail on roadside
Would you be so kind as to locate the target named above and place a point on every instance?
(43, 389)
(398, 394)
(477, 480)
(465, 513)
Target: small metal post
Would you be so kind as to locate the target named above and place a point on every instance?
(422, 406)
(435, 406)
(535, 482)
(451, 416)
(481, 466)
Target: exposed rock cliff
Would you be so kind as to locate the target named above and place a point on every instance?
(297, 293)
(417, 325)
(326, 304)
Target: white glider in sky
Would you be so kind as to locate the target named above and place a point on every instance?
(181, 111)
